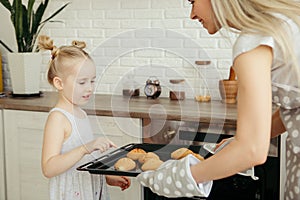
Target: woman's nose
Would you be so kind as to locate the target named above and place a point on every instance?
(192, 15)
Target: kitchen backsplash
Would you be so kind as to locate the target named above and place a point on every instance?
(132, 40)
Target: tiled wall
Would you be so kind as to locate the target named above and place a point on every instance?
(131, 40)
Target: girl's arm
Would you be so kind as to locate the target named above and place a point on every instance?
(252, 138)
(53, 162)
(57, 129)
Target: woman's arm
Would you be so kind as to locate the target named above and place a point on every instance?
(252, 138)
(277, 125)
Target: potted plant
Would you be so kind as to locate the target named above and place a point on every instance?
(26, 63)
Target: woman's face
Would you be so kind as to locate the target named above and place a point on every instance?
(203, 12)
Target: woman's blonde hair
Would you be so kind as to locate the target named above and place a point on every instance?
(257, 17)
(63, 57)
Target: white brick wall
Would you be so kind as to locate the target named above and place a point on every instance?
(141, 38)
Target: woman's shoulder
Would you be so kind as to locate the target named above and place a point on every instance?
(248, 42)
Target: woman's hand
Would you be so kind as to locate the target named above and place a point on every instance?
(174, 179)
(119, 181)
(102, 144)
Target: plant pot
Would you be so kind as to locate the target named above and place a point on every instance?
(228, 90)
(25, 71)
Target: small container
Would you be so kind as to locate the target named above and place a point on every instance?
(131, 92)
(130, 88)
(201, 88)
(228, 90)
(177, 89)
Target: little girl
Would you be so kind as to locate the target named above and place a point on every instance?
(68, 138)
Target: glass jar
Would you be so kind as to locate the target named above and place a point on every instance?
(202, 91)
(177, 89)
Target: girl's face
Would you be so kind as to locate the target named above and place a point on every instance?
(203, 12)
(79, 84)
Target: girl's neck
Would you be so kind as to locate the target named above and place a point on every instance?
(68, 106)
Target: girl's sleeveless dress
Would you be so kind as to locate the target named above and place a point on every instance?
(74, 184)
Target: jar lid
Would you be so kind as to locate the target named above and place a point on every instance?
(202, 62)
(176, 81)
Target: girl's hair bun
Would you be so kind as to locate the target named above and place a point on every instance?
(79, 44)
(45, 43)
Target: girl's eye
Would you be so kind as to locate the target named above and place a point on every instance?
(82, 83)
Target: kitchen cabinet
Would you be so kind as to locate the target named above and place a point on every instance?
(23, 133)
(2, 161)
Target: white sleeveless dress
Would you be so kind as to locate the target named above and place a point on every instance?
(74, 184)
(285, 94)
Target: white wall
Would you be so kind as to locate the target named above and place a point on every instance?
(136, 39)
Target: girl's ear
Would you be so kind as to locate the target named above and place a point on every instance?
(57, 82)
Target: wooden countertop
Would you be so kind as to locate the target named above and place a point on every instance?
(137, 107)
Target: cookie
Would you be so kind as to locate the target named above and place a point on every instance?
(134, 154)
(147, 156)
(151, 164)
(125, 164)
(180, 153)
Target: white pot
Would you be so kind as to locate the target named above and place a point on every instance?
(25, 71)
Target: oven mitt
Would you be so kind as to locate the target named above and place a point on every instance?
(212, 149)
(174, 179)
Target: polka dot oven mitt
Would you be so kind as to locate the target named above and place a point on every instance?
(174, 179)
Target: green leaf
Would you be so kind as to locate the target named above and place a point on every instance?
(6, 4)
(37, 18)
(27, 36)
(18, 23)
(55, 13)
(29, 12)
(27, 21)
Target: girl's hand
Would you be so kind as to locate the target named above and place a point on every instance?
(102, 144)
(119, 181)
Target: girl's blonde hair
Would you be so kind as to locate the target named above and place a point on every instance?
(63, 57)
(257, 17)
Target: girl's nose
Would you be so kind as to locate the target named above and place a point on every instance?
(90, 87)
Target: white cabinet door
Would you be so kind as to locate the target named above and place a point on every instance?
(121, 131)
(23, 144)
(2, 160)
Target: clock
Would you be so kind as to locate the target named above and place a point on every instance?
(152, 88)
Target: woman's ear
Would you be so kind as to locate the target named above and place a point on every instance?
(57, 82)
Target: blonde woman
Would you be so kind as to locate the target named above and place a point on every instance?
(266, 59)
(68, 137)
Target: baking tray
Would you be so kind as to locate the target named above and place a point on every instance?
(105, 164)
